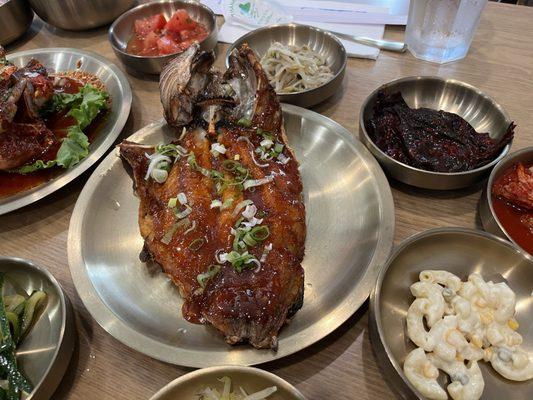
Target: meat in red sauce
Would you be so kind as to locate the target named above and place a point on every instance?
(512, 201)
(57, 124)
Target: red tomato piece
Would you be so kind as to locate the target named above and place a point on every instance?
(167, 45)
(180, 21)
(150, 43)
(151, 24)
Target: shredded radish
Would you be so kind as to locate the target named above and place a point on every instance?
(257, 182)
(183, 132)
(266, 143)
(267, 250)
(210, 393)
(252, 222)
(241, 205)
(283, 159)
(255, 162)
(191, 228)
(217, 148)
(249, 211)
(244, 139)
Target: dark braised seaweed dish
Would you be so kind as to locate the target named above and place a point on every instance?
(429, 139)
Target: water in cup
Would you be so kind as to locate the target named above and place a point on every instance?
(441, 30)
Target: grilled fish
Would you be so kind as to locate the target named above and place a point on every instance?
(221, 208)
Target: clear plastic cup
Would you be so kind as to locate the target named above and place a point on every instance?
(441, 30)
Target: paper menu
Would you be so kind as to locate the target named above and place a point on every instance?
(387, 12)
(320, 13)
(230, 33)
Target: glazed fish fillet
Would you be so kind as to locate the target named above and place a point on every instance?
(223, 213)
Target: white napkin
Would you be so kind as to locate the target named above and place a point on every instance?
(306, 8)
(230, 33)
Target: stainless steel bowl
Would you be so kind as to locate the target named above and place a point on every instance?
(80, 15)
(251, 379)
(480, 110)
(317, 39)
(462, 252)
(15, 19)
(490, 221)
(122, 30)
(45, 353)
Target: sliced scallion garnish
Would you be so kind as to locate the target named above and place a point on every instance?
(260, 233)
(206, 276)
(196, 244)
(172, 202)
(244, 122)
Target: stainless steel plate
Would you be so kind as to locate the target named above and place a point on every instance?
(250, 379)
(45, 353)
(67, 59)
(350, 217)
(462, 252)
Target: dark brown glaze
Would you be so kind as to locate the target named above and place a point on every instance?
(21, 143)
(251, 305)
(24, 135)
(433, 140)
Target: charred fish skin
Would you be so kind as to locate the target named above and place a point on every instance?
(182, 81)
(245, 304)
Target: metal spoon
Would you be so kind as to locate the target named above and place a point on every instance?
(399, 47)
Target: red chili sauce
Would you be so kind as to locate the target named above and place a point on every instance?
(155, 36)
(12, 183)
(516, 219)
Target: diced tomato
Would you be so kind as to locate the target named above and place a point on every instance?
(144, 26)
(167, 45)
(197, 34)
(180, 21)
(150, 43)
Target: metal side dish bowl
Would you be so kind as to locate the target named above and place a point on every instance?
(121, 31)
(80, 15)
(250, 379)
(15, 19)
(477, 108)
(462, 252)
(318, 40)
(45, 353)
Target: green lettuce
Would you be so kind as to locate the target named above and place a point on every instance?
(84, 107)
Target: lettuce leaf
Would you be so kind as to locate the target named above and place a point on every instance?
(37, 165)
(84, 107)
(74, 148)
(92, 101)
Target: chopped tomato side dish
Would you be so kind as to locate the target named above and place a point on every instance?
(143, 27)
(155, 36)
(180, 21)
